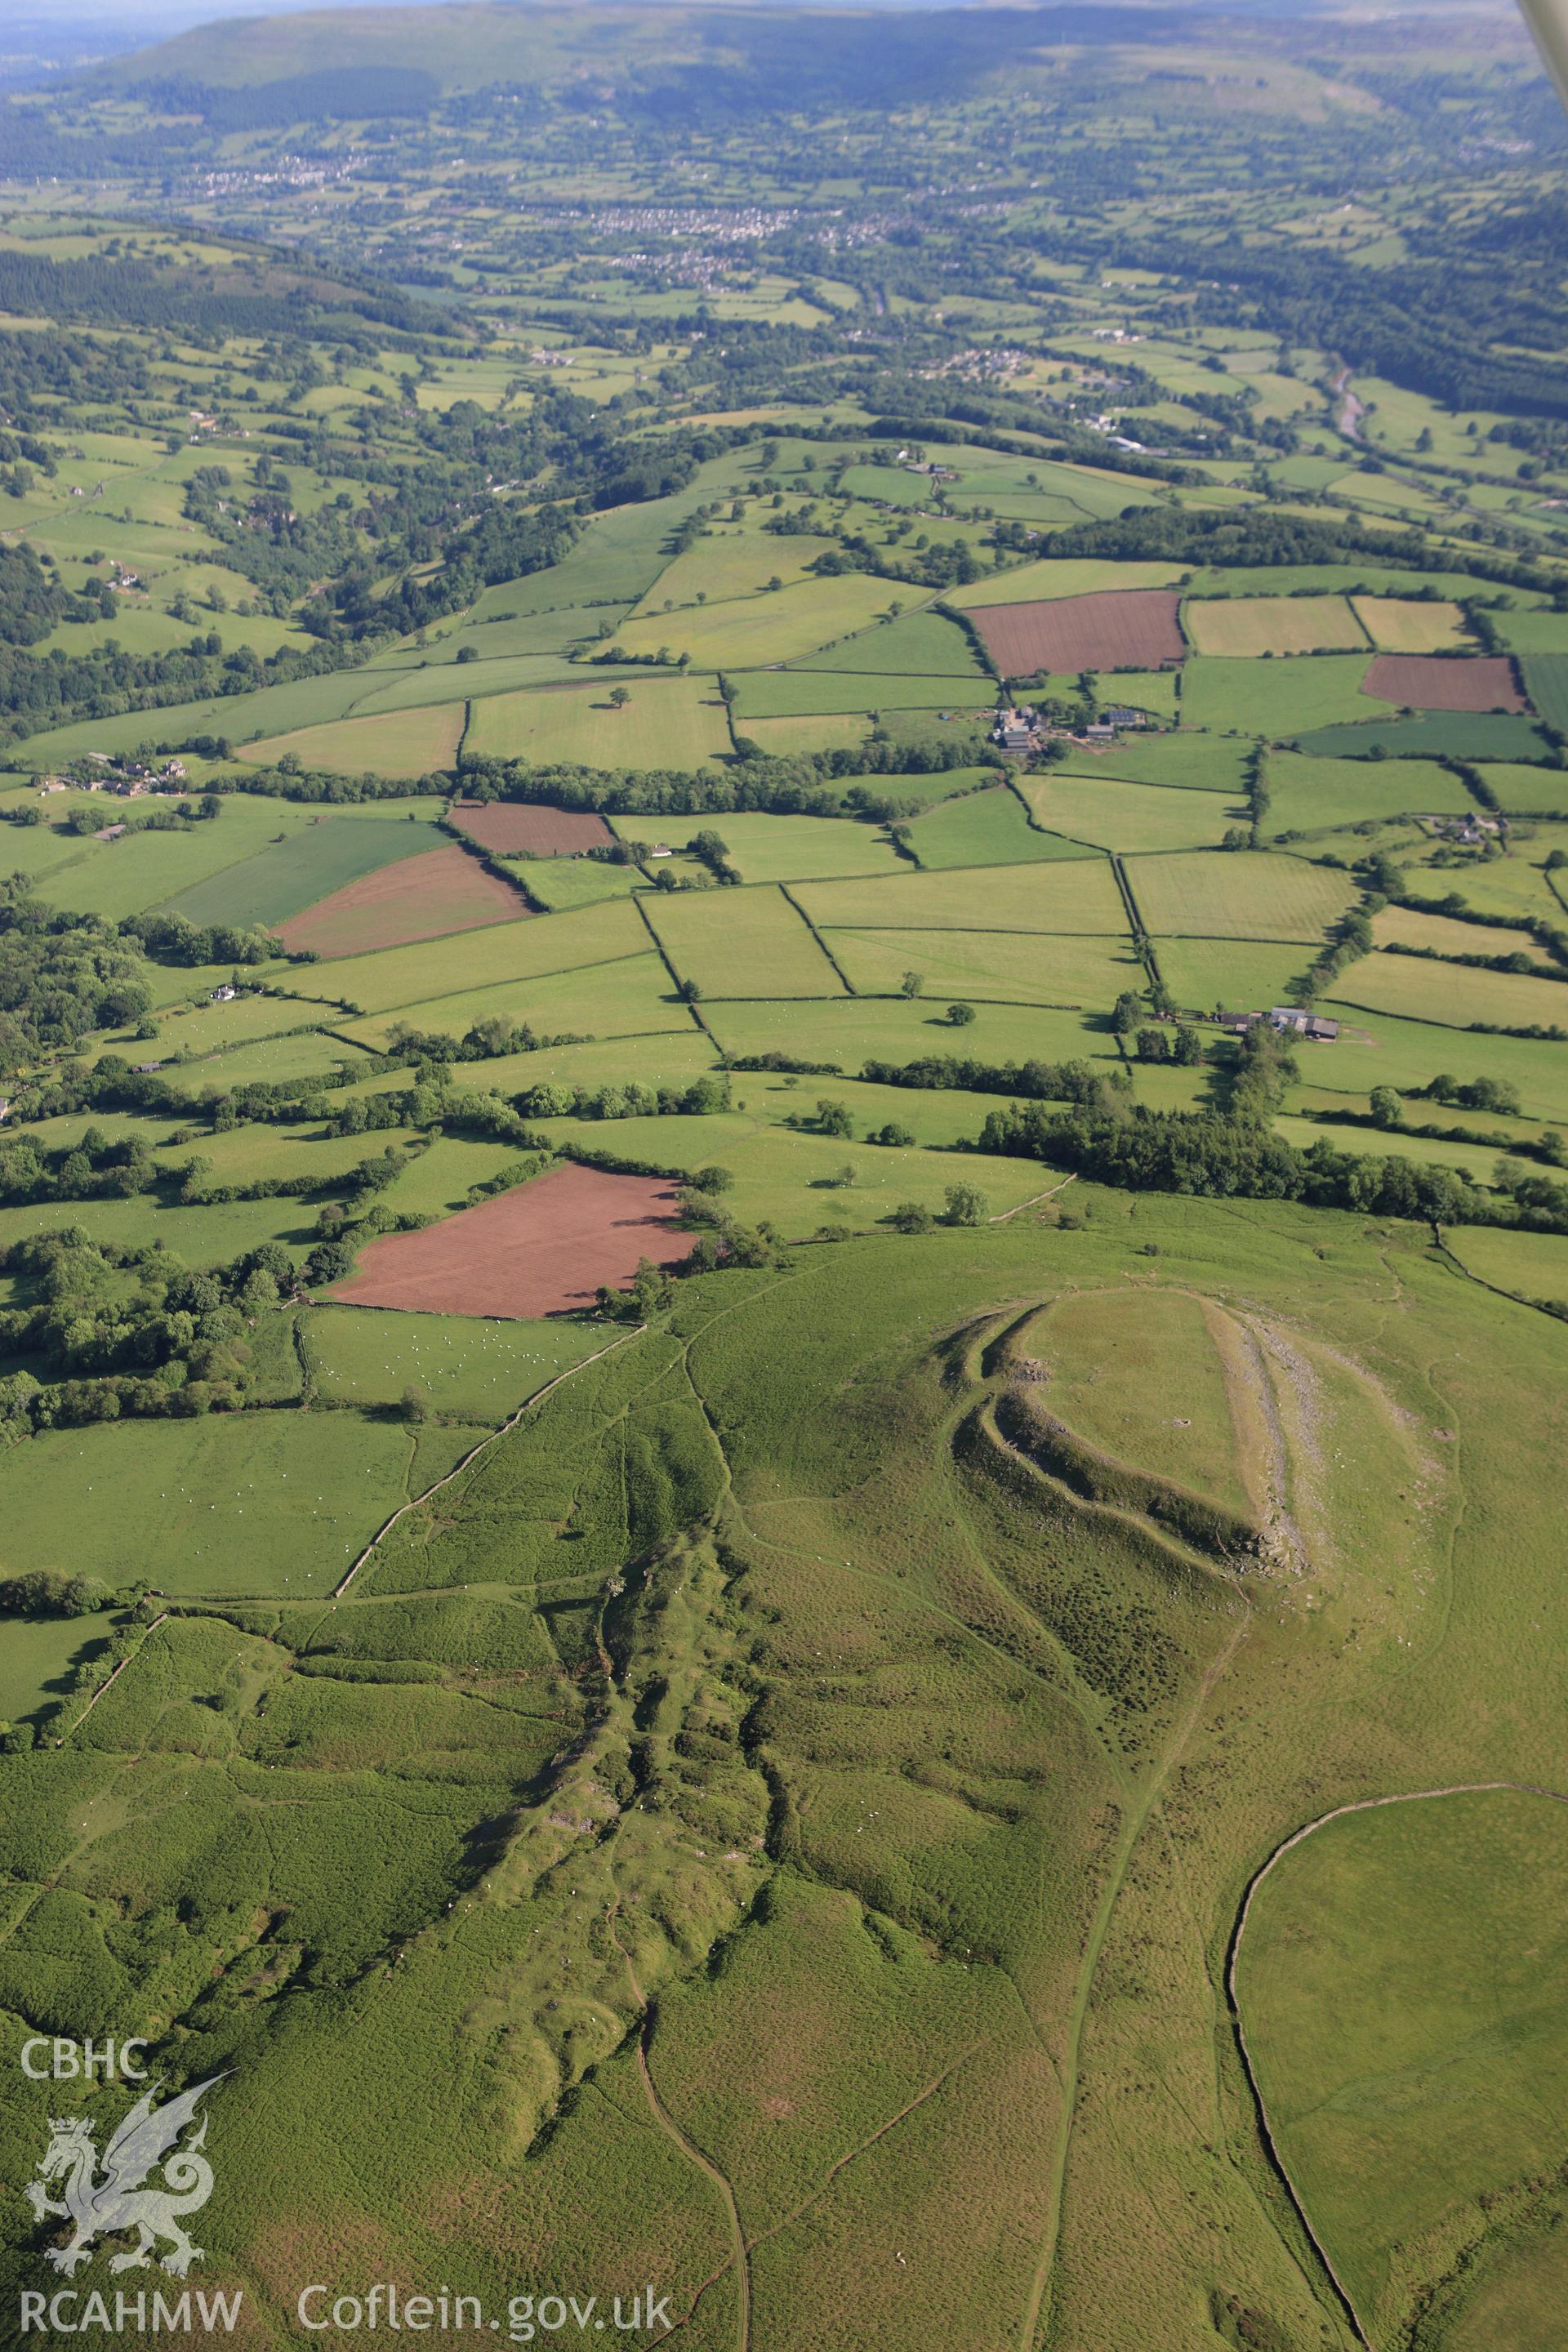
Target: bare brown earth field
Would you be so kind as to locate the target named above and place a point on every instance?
(1126, 628)
(529, 829)
(423, 897)
(541, 1249)
(1427, 682)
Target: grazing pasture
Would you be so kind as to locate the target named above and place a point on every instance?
(1310, 795)
(986, 828)
(750, 630)
(1458, 735)
(1135, 627)
(666, 723)
(1546, 680)
(1112, 814)
(631, 995)
(1009, 967)
(1452, 995)
(423, 897)
(776, 848)
(1275, 700)
(479, 1370)
(1252, 625)
(803, 693)
(293, 873)
(1242, 976)
(745, 943)
(1403, 1981)
(849, 1030)
(1057, 894)
(1430, 682)
(395, 743)
(531, 828)
(395, 977)
(1035, 583)
(1238, 895)
(543, 1248)
(1531, 1265)
(917, 645)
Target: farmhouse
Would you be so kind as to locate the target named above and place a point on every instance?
(1292, 1020)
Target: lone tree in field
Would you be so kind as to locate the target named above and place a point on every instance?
(965, 1205)
(834, 1118)
(619, 697)
(959, 1017)
(912, 984)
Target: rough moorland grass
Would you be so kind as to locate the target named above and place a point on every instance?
(742, 942)
(1126, 818)
(677, 722)
(1452, 995)
(987, 828)
(288, 875)
(1059, 895)
(1272, 624)
(504, 951)
(917, 645)
(402, 743)
(1117, 1358)
(1398, 625)
(751, 630)
(1308, 794)
(1014, 966)
(1239, 895)
(1403, 1981)
(475, 1370)
(1030, 583)
(778, 849)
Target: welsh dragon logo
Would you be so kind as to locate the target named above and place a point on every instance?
(102, 2202)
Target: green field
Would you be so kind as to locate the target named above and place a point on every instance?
(743, 943)
(917, 645)
(1451, 734)
(1448, 993)
(776, 848)
(991, 827)
(1531, 1265)
(1125, 818)
(1398, 1982)
(1277, 699)
(665, 723)
(752, 630)
(1238, 895)
(412, 742)
(1015, 967)
(281, 880)
(1059, 895)
(805, 693)
(472, 1372)
(504, 951)
(1314, 795)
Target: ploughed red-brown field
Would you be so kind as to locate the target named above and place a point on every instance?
(541, 1249)
(529, 829)
(421, 897)
(1124, 628)
(1464, 682)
